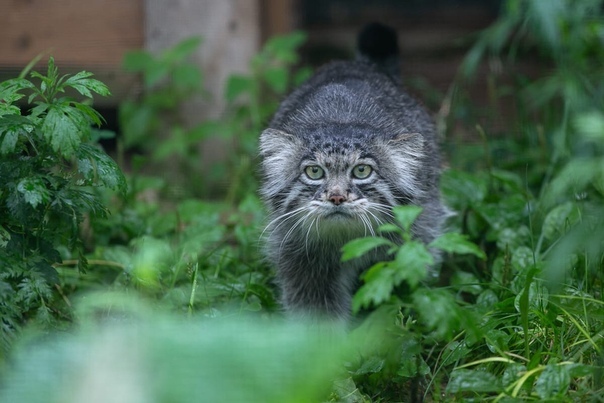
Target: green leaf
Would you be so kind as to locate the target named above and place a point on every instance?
(412, 263)
(96, 166)
(83, 84)
(277, 78)
(92, 115)
(155, 73)
(560, 219)
(359, 247)
(34, 191)
(406, 215)
(453, 242)
(9, 141)
(538, 297)
(379, 283)
(462, 189)
(283, 48)
(487, 299)
(63, 131)
(512, 373)
(137, 61)
(11, 127)
(390, 228)
(466, 282)
(181, 50)
(187, 76)
(523, 258)
(10, 90)
(302, 75)
(372, 365)
(591, 126)
(237, 85)
(497, 341)
(553, 381)
(438, 311)
(412, 363)
(477, 381)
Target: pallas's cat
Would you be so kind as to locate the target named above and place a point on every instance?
(341, 151)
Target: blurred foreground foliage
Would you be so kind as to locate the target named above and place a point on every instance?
(519, 314)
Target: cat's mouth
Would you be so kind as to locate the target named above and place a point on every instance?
(337, 213)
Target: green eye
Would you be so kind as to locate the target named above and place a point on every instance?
(314, 172)
(361, 171)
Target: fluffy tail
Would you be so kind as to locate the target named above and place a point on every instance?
(378, 44)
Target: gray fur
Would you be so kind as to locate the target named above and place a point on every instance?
(348, 113)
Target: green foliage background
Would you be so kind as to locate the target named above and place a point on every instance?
(164, 281)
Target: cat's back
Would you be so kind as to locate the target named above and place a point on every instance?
(351, 93)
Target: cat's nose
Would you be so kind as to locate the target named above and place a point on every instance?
(337, 199)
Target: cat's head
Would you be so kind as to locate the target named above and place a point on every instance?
(344, 182)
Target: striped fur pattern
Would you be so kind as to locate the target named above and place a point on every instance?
(341, 151)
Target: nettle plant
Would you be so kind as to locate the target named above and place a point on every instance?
(49, 168)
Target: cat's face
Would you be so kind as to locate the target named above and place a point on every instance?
(336, 189)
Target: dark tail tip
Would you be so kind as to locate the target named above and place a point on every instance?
(378, 42)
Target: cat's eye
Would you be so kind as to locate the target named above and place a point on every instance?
(361, 171)
(314, 172)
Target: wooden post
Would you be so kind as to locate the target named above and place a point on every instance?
(231, 35)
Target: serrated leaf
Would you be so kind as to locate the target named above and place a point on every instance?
(358, 247)
(437, 310)
(377, 288)
(11, 127)
(553, 381)
(10, 90)
(34, 191)
(82, 83)
(61, 131)
(94, 117)
(477, 381)
(406, 215)
(412, 262)
(9, 141)
(453, 242)
(65, 127)
(96, 166)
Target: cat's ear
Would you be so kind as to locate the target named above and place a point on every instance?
(273, 141)
(411, 144)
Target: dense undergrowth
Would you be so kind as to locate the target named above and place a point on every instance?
(143, 283)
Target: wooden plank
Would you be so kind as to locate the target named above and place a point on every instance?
(277, 17)
(88, 35)
(83, 33)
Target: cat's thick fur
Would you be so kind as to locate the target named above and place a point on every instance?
(341, 151)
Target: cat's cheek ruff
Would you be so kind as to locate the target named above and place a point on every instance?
(406, 153)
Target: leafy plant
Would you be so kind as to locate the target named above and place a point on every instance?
(49, 168)
(515, 316)
(153, 122)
